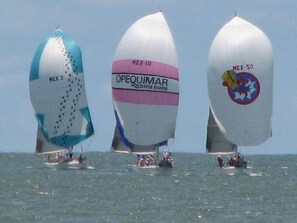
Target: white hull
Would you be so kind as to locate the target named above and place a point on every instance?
(153, 169)
(74, 164)
(231, 170)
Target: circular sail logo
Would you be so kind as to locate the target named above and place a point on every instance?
(243, 87)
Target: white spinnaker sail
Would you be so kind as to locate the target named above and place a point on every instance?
(145, 84)
(216, 142)
(57, 91)
(240, 79)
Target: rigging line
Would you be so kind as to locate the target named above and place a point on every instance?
(89, 144)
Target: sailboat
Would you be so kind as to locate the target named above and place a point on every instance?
(145, 90)
(240, 79)
(58, 97)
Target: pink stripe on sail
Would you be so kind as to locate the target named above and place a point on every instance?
(145, 67)
(145, 97)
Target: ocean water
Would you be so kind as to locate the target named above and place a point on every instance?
(195, 190)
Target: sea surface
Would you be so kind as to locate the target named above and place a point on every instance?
(195, 190)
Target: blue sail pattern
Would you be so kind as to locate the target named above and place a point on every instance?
(57, 91)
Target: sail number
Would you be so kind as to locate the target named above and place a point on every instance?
(243, 67)
(142, 62)
(55, 78)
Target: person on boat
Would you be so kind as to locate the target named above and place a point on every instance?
(150, 160)
(49, 160)
(168, 156)
(146, 161)
(141, 161)
(232, 162)
(166, 160)
(237, 161)
(60, 158)
(81, 158)
(220, 161)
(241, 162)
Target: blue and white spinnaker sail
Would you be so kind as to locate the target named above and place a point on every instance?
(57, 91)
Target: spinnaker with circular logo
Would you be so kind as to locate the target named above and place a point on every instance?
(240, 79)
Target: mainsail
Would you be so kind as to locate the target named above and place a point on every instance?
(43, 146)
(57, 92)
(240, 78)
(145, 86)
(117, 143)
(216, 142)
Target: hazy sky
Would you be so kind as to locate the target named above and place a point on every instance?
(97, 26)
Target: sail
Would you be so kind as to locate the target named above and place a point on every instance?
(216, 142)
(145, 84)
(149, 149)
(57, 91)
(117, 143)
(240, 78)
(43, 146)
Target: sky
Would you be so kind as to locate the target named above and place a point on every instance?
(97, 27)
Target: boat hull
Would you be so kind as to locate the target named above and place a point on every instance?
(151, 170)
(232, 170)
(74, 164)
(166, 164)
